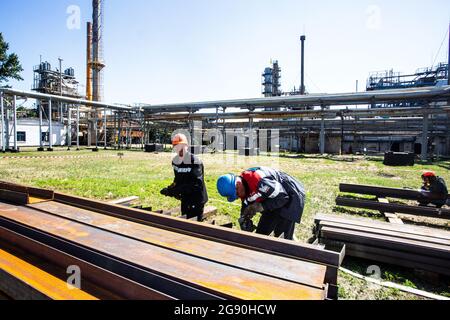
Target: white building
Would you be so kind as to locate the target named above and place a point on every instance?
(28, 133)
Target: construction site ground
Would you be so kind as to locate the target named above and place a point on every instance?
(113, 174)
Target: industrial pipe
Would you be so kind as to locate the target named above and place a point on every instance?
(429, 94)
(43, 96)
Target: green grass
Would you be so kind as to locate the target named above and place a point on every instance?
(144, 175)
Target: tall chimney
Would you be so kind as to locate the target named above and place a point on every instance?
(89, 62)
(302, 85)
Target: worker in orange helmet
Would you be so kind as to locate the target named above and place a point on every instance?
(188, 185)
(434, 190)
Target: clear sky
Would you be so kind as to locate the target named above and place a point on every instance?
(164, 51)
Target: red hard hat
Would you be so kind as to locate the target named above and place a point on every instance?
(179, 139)
(428, 174)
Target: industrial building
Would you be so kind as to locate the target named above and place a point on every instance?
(396, 113)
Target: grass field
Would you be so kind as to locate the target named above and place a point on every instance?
(107, 176)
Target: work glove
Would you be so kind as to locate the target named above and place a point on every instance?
(251, 210)
(165, 192)
(168, 192)
(246, 224)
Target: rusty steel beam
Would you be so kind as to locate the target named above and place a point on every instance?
(110, 282)
(221, 280)
(23, 281)
(236, 237)
(383, 241)
(129, 271)
(373, 224)
(14, 197)
(377, 231)
(394, 207)
(294, 270)
(406, 194)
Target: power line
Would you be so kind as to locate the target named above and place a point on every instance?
(439, 51)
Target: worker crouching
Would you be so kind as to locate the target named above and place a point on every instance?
(188, 185)
(434, 190)
(279, 197)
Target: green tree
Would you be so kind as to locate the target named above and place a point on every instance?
(10, 67)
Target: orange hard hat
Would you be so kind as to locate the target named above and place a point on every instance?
(179, 139)
(428, 174)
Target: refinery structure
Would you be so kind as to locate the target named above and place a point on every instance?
(396, 112)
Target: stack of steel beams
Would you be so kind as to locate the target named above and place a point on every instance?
(129, 253)
(403, 245)
(389, 207)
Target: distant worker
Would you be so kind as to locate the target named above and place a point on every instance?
(188, 185)
(278, 196)
(434, 190)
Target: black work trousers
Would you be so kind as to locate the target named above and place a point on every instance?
(191, 210)
(272, 222)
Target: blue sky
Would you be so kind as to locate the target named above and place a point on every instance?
(163, 51)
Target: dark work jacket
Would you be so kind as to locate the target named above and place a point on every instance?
(278, 192)
(189, 184)
(438, 189)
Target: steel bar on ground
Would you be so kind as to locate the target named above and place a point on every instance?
(406, 194)
(373, 224)
(395, 243)
(393, 207)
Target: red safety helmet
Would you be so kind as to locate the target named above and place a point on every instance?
(179, 139)
(428, 174)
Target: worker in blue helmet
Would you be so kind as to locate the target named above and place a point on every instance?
(278, 196)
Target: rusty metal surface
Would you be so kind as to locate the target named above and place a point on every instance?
(294, 270)
(224, 280)
(374, 224)
(44, 283)
(121, 287)
(235, 237)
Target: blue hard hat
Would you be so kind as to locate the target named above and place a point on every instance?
(226, 185)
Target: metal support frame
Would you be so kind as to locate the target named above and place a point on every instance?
(69, 127)
(78, 127)
(322, 133)
(50, 129)
(104, 128)
(15, 149)
(424, 151)
(41, 142)
(96, 129)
